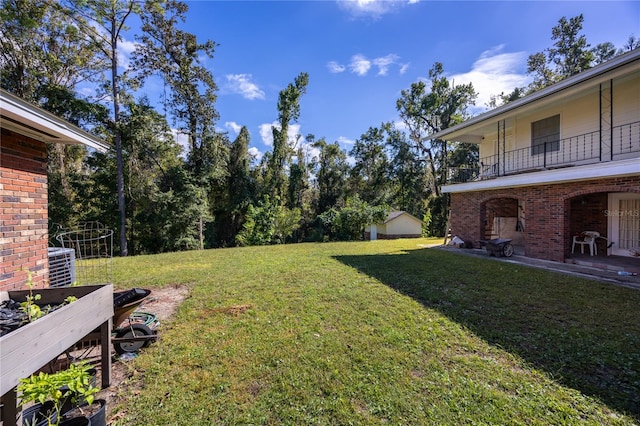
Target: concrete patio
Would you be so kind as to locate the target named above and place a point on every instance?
(600, 268)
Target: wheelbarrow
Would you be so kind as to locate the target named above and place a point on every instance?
(498, 247)
(132, 330)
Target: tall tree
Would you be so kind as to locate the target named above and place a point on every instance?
(42, 47)
(569, 55)
(331, 171)
(288, 112)
(239, 185)
(407, 172)
(103, 22)
(176, 55)
(231, 198)
(426, 112)
(150, 153)
(369, 175)
(298, 180)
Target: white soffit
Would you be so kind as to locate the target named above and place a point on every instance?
(26, 119)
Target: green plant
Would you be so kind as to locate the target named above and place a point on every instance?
(30, 308)
(44, 387)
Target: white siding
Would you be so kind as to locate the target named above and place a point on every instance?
(403, 225)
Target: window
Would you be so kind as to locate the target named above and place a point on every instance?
(545, 135)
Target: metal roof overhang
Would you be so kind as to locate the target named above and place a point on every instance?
(29, 120)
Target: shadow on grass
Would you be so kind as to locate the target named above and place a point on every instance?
(583, 333)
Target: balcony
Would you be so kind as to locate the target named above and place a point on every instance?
(622, 142)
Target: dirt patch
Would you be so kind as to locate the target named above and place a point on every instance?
(161, 302)
(235, 311)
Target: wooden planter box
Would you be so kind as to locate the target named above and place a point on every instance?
(30, 347)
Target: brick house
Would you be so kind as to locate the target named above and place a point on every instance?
(26, 130)
(554, 164)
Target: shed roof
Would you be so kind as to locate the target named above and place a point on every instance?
(27, 119)
(396, 214)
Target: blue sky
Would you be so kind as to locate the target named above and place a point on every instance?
(360, 54)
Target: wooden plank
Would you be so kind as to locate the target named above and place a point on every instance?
(105, 358)
(32, 346)
(10, 412)
(54, 295)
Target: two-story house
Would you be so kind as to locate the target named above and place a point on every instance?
(556, 163)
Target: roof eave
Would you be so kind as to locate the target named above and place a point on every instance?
(613, 64)
(25, 118)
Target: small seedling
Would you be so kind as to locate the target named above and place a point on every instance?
(29, 307)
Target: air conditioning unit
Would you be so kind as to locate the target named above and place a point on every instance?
(62, 267)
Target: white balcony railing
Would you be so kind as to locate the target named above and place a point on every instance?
(620, 143)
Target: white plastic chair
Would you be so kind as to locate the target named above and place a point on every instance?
(588, 238)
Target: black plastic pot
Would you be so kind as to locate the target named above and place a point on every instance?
(99, 418)
(76, 421)
(39, 414)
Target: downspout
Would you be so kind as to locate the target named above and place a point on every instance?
(600, 124)
(611, 116)
(498, 150)
(504, 145)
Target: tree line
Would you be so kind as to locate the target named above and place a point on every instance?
(162, 198)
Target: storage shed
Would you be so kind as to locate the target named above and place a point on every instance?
(399, 224)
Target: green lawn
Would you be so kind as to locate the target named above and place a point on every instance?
(384, 332)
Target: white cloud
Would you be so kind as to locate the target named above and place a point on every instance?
(335, 68)
(125, 48)
(400, 125)
(255, 154)
(242, 85)
(311, 153)
(266, 134)
(233, 126)
(182, 139)
(372, 8)
(360, 65)
(494, 73)
(343, 140)
(384, 62)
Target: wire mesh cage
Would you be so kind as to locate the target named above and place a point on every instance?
(92, 243)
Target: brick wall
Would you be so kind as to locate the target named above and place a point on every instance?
(23, 212)
(499, 207)
(554, 213)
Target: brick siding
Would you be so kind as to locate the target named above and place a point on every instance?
(23, 211)
(554, 213)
